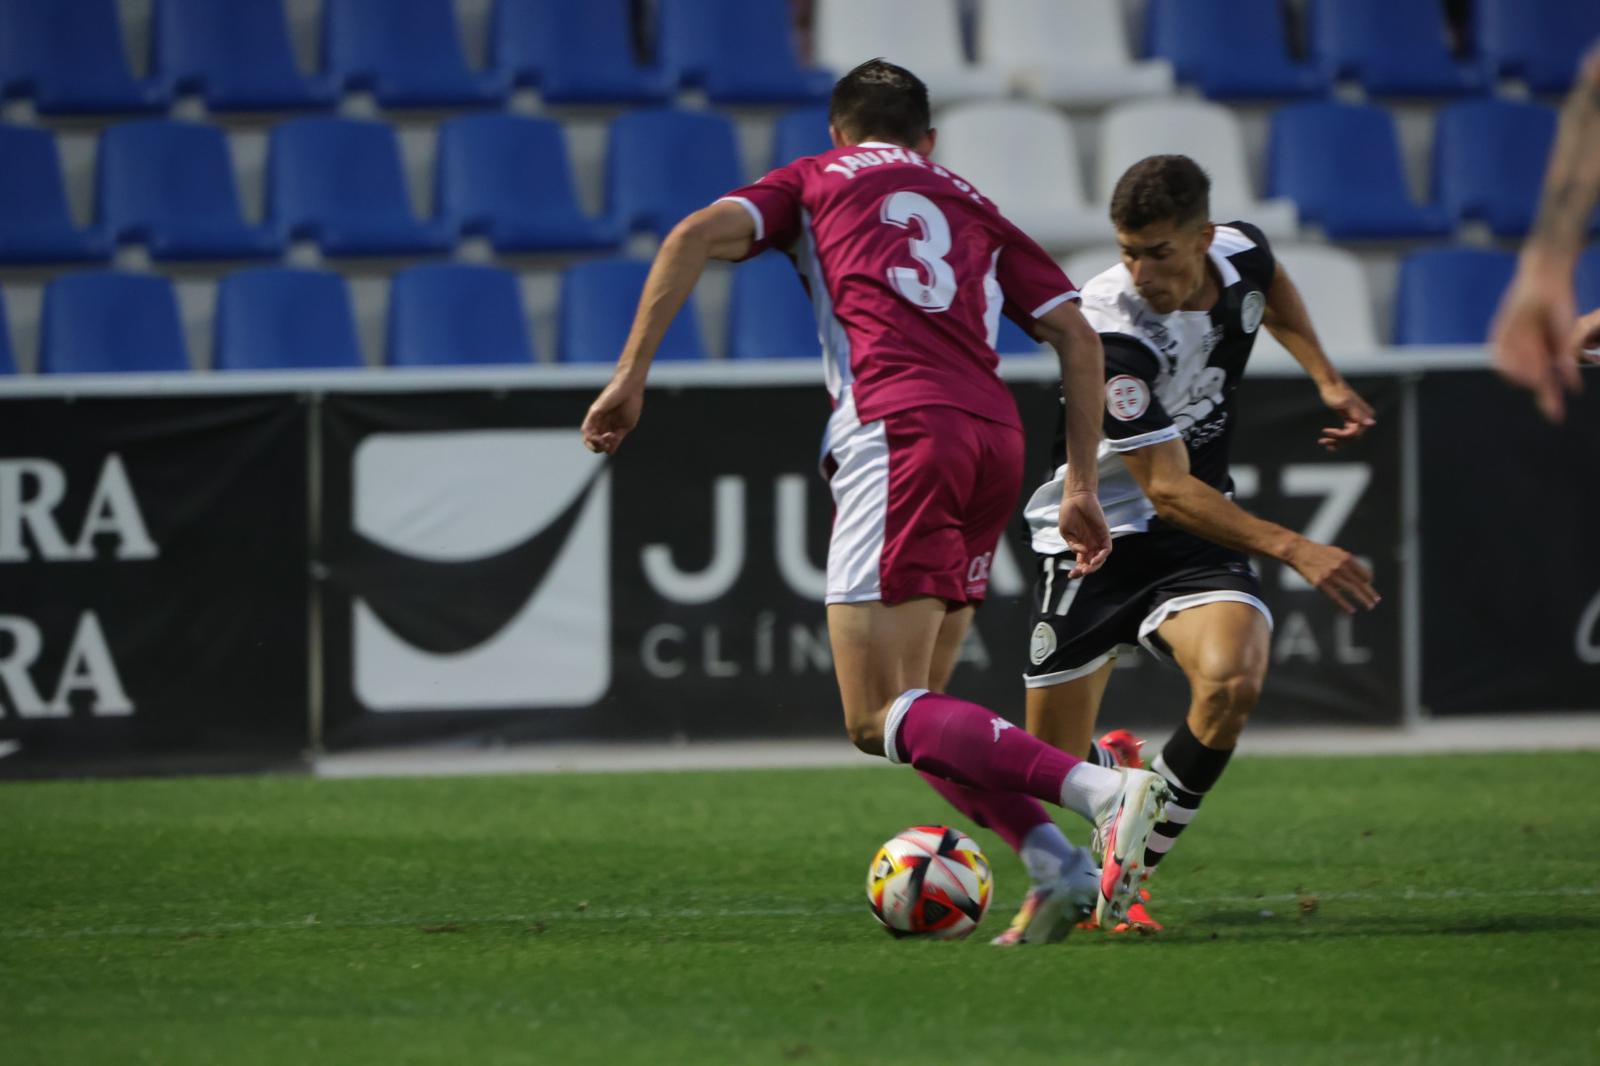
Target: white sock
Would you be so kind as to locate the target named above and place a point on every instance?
(1090, 790)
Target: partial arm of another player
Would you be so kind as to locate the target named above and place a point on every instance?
(725, 230)
(1288, 321)
(1083, 362)
(1162, 471)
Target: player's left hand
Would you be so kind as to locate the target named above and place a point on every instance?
(612, 416)
(1083, 527)
(1345, 402)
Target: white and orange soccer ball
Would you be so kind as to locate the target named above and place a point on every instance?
(930, 881)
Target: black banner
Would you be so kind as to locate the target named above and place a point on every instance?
(487, 576)
(153, 592)
(1510, 574)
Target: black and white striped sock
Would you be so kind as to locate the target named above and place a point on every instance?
(1100, 756)
(1190, 768)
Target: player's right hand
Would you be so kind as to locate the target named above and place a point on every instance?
(612, 416)
(1083, 527)
(1336, 574)
(1531, 333)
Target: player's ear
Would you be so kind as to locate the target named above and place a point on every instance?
(1208, 233)
(924, 147)
(836, 137)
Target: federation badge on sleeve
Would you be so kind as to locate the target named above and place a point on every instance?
(1127, 397)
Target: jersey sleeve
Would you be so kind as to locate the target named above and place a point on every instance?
(774, 205)
(1258, 265)
(1134, 416)
(1029, 279)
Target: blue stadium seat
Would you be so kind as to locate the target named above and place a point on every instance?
(664, 164)
(1341, 164)
(236, 55)
(35, 224)
(1014, 341)
(1538, 41)
(107, 322)
(597, 304)
(452, 314)
(8, 365)
(799, 133)
(574, 52)
(1231, 48)
(1489, 158)
(739, 51)
(1392, 47)
(407, 52)
(508, 177)
(1586, 283)
(769, 315)
(169, 185)
(281, 318)
(339, 181)
(1449, 295)
(68, 56)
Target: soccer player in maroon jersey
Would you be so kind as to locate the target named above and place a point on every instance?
(909, 268)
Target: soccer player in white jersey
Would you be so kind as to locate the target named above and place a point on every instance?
(909, 268)
(1177, 318)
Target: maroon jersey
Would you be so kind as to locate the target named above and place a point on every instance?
(909, 269)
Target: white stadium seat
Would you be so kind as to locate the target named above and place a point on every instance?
(1022, 156)
(924, 36)
(1205, 132)
(1084, 266)
(1333, 285)
(1072, 52)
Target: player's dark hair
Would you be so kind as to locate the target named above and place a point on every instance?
(879, 99)
(1161, 188)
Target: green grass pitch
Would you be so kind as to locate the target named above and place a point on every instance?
(1438, 910)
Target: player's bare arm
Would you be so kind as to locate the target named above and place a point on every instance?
(724, 230)
(1288, 320)
(1530, 335)
(1077, 345)
(1586, 337)
(1162, 471)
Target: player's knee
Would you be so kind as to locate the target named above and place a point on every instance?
(1230, 694)
(866, 732)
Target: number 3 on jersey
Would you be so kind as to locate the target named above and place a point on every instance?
(939, 292)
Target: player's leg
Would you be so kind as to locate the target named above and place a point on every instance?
(1065, 714)
(1223, 649)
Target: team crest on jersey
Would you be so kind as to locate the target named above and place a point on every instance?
(1252, 310)
(1043, 644)
(1127, 397)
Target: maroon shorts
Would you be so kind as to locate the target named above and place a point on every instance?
(921, 498)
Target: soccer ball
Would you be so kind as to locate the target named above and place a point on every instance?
(930, 881)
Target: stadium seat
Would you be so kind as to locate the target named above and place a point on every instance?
(1489, 158)
(407, 52)
(921, 35)
(508, 177)
(8, 365)
(983, 142)
(663, 164)
(596, 312)
(107, 322)
(1391, 47)
(1083, 267)
(1449, 295)
(1206, 132)
(35, 224)
(169, 186)
(1232, 49)
(1340, 163)
(236, 55)
(769, 314)
(1072, 52)
(68, 57)
(280, 318)
(799, 133)
(738, 51)
(1334, 286)
(455, 314)
(339, 181)
(1537, 41)
(573, 52)
(1586, 283)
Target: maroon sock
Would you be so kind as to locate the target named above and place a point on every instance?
(1011, 816)
(962, 742)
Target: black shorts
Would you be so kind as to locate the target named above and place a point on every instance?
(1079, 626)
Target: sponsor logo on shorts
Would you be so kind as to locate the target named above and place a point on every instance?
(1127, 397)
(1252, 311)
(1043, 644)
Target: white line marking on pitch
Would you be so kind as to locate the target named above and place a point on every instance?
(696, 913)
